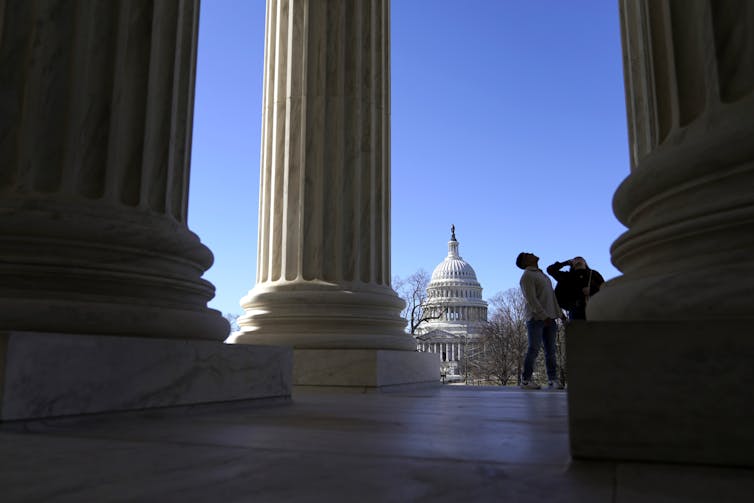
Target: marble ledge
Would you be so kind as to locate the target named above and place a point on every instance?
(677, 392)
(51, 374)
(364, 369)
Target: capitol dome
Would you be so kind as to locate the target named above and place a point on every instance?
(454, 267)
(455, 292)
(457, 311)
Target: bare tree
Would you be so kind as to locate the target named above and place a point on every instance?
(233, 321)
(413, 290)
(472, 364)
(503, 339)
(562, 365)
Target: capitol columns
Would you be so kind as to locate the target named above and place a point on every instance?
(688, 202)
(323, 261)
(664, 364)
(102, 303)
(94, 167)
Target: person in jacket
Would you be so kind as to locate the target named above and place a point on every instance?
(542, 313)
(575, 286)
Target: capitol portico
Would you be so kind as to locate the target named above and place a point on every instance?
(455, 296)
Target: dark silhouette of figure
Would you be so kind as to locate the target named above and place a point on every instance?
(575, 286)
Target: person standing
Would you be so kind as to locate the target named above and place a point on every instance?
(542, 313)
(575, 286)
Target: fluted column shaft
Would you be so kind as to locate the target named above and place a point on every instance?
(94, 166)
(688, 202)
(323, 262)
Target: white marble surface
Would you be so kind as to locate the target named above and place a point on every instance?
(317, 314)
(653, 391)
(364, 368)
(47, 375)
(323, 267)
(407, 446)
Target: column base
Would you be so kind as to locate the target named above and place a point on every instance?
(319, 315)
(49, 374)
(86, 267)
(662, 391)
(363, 369)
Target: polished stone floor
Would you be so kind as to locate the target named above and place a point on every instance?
(449, 443)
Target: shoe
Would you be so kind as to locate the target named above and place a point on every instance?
(554, 385)
(529, 385)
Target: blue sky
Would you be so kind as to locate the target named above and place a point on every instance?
(508, 120)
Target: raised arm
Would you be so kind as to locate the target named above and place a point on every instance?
(554, 270)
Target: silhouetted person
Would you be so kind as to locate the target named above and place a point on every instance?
(575, 286)
(542, 312)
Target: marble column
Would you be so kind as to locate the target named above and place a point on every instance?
(94, 167)
(102, 303)
(666, 356)
(323, 261)
(688, 203)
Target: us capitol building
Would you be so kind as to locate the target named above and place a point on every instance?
(456, 295)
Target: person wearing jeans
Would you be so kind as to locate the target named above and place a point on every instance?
(541, 333)
(542, 313)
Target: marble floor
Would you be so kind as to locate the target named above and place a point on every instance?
(449, 443)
